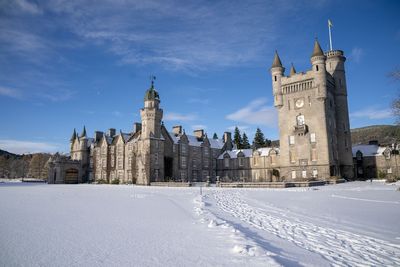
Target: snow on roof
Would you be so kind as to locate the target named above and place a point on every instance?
(193, 141)
(216, 143)
(368, 150)
(126, 136)
(248, 153)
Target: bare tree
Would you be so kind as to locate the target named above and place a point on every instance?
(395, 75)
(37, 166)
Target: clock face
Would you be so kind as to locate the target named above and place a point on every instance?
(299, 103)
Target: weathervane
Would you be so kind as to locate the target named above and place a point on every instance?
(152, 79)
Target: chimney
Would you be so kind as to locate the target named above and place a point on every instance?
(177, 129)
(111, 132)
(137, 126)
(228, 140)
(98, 135)
(199, 134)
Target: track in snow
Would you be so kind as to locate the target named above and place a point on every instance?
(340, 248)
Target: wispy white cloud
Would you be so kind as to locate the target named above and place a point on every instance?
(10, 92)
(24, 147)
(198, 36)
(172, 116)
(255, 113)
(373, 113)
(356, 54)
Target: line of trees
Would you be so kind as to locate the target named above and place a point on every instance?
(22, 166)
(242, 141)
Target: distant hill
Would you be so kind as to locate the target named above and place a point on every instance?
(384, 134)
(7, 154)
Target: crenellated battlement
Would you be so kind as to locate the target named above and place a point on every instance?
(334, 53)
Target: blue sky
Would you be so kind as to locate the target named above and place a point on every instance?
(65, 64)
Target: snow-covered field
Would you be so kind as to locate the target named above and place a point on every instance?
(352, 224)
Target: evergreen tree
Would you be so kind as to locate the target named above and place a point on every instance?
(259, 140)
(267, 142)
(215, 136)
(237, 138)
(245, 141)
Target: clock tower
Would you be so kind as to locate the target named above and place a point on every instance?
(311, 147)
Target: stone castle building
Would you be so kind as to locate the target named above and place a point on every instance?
(314, 135)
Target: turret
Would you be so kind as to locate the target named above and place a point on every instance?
(335, 66)
(151, 113)
(83, 140)
(73, 137)
(292, 70)
(318, 66)
(277, 71)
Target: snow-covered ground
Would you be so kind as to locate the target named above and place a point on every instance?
(352, 224)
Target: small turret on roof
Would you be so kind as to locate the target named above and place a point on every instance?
(277, 61)
(73, 135)
(83, 132)
(317, 50)
(151, 93)
(292, 70)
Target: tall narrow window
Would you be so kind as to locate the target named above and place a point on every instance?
(293, 174)
(316, 67)
(312, 138)
(291, 140)
(226, 162)
(275, 78)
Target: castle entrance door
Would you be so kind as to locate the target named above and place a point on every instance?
(71, 176)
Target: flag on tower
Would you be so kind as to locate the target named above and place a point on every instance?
(330, 34)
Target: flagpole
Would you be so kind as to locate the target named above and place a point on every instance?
(330, 34)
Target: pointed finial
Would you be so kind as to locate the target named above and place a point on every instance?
(317, 49)
(73, 135)
(277, 61)
(83, 132)
(292, 70)
(152, 79)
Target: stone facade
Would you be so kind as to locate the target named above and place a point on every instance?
(374, 161)
(147, 154)
(314, 128)
(315, 141)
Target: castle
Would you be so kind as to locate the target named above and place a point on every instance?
(314, 129)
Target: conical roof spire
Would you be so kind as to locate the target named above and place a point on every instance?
(73, 135)
(83, 132)
(277, 61)
(292, 70)
(317, 49)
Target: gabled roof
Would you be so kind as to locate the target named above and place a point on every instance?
(193, 141)
(368, 150)
(248, 153)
